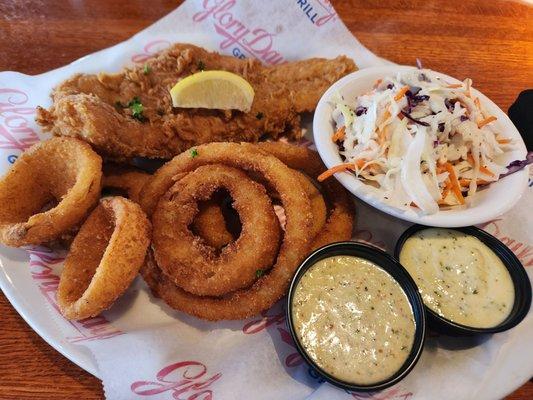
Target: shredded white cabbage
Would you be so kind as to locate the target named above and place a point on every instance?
(406, 134)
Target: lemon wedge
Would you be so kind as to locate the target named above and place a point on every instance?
(220, 90)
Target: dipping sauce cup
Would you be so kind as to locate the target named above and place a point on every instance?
(356, 316)
(463, 282)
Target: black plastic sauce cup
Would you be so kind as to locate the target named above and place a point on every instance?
(393, 267)
(521, 283)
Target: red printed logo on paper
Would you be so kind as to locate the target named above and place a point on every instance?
(319, 12)
(293, 359)
(15, 119)
(522, 250)
(185, 380)
(150, 50)
(236, 36)
(365, 236)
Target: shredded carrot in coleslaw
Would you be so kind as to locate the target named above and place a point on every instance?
(504, 141)
(456, 189)
(401, 93)
(333, 170)
(486, 121)
(483, 169)
(339, 135)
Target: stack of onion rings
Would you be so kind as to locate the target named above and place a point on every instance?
(270, 285)
(61, 174)
(232, 222)
(104, 258)
(172, 196)
(194, 266)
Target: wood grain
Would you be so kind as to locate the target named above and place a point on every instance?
(489, 41)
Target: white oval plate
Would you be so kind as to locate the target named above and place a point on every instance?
(486, 205)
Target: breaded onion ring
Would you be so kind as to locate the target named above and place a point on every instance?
(193, 265)
(210, 224)
(339, 225)
(104, 258)
(62, 170)
(318, 205)
(295, 244)
(130, 180)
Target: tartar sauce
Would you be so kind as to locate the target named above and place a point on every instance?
(353, 319)
(459, 277)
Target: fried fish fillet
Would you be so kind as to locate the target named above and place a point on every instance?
(97, 108)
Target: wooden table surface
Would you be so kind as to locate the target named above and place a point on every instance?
(489, 41)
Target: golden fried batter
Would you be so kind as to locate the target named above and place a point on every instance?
(128, 179)
(104, 258)
(192, 264)
(96, 107)
(49, 190)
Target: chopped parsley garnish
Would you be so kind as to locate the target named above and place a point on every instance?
(194, 153)
(201, 65)
(259, 273)
(137, 109)
(259, 115)
(146, 69)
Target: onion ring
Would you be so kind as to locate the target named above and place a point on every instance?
(62, 170)
(104, 258)
(188, 261)
(318, 205)
(339, 224)
(130, 180)
(210, 225)
(268, 288)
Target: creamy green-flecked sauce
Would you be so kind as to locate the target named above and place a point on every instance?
(459, 277)
(353, 319)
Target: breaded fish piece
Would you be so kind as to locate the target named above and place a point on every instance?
(97, 108)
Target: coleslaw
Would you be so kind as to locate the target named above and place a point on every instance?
(419, 141)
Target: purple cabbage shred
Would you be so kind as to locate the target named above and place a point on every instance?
(449, 105)
(420, 98)
(413, 99)
(517, 165)
(360, 111)
(423, 78)
(441, 127)
(416, 121)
